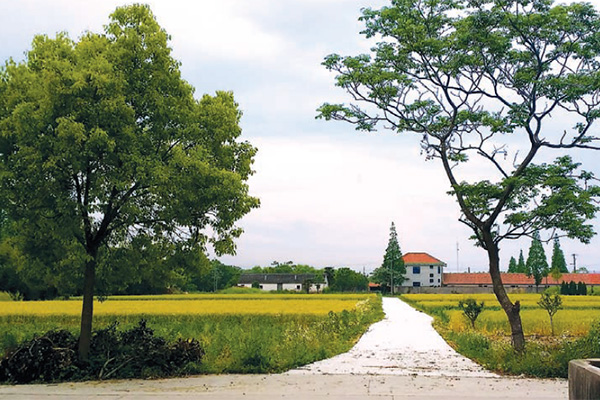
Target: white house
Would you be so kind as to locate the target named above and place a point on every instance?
(279, 282)
(422, 270)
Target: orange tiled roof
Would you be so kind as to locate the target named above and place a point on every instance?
(421, 258)
(483, 278)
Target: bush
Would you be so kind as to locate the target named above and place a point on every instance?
(134, 353)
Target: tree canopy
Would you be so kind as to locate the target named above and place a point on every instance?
(484, 85)
(103, 147)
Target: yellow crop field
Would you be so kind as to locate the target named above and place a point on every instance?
(575, 318)
(528, 300)
(192, 305)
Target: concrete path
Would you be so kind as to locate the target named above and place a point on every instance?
(404, 343)
(317, 387)
(400, 357)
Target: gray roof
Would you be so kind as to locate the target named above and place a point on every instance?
(275, 278)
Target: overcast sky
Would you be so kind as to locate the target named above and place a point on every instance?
(328, 193)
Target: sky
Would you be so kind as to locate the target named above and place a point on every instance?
(328, 193)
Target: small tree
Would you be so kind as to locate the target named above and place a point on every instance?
(255, 285)
(551, 304)
(581, 289)
(512, 266)
(471, 309)
(537, 265)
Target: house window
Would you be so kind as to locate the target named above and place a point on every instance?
(439, 281)
(431, 275)
(416, 270)
(439, 270)
(260, 286)
(431, 267)
(416, 284)
(298, 287)
(431, 281)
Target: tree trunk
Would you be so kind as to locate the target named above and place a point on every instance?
(87, 311)
(512, 310)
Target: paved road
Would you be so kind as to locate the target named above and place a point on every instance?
(399, 357)
(404, 343)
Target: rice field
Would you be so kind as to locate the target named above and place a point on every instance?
(575, 318)
(183, 306)
(239, 332)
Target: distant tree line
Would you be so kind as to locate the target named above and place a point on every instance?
(573, 289)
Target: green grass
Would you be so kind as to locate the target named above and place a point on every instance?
(233, 343)
(5, 296)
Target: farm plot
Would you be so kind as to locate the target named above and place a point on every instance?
(239, 333)
(576, 324)
(575, 318)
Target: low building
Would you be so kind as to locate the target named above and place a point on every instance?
(422, 270)
(279, 282)
(483, 279)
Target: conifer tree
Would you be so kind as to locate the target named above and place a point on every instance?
(512, 266)
(537, 264)
(521, 267)
(558, 258)
(392, 269)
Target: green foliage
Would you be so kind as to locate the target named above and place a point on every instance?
(392, 269)
(103, 148)
(558, 258)
(537, 265)
(551, 304)
(573, 289)
(481, 83)
(347, 280)
(471, 309)
(512, 266)
(521, 266)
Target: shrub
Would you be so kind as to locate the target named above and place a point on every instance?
(471, 309)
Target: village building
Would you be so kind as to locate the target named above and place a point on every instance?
(422, 270)
(515, 281)
(280, 282)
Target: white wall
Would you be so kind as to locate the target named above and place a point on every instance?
(425, 277)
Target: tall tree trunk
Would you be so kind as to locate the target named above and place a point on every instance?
(87, 310)
(512, 310)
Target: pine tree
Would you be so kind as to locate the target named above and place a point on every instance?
(392, 262)
(512, 266)
(558, 258)
(537, 264)
(521, 267)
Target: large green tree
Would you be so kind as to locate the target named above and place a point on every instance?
(485, 84)
(103, 144)
(537, 264)
(392, 271)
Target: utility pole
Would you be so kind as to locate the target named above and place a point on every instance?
(574, 263)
